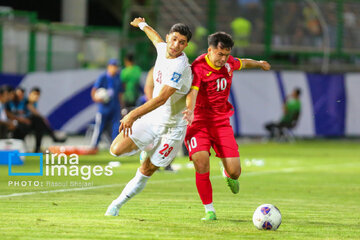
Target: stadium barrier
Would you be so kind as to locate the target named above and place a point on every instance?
(330, 102)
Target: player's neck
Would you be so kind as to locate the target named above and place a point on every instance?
(168, 56)
(208, 61)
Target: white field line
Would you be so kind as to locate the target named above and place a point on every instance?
(285, 170)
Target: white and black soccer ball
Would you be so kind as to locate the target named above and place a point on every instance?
(267, 217)
(102, 94)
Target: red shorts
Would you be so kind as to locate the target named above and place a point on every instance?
(202, 135)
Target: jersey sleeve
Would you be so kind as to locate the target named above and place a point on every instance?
(237, 63)
(160, 48)
(174, 76)
(123, 76)
(196, 70)
(99, 82)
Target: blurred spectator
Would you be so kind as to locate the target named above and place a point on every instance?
(293, 30)
(6, 125)
(200, 37)
(16, 108)
(241, 29)
(328, 10)
(250, 8)
(350, 28)
(191, 50)
(252, 11)
(197, 45)
(19, 116)
(288, 27)
(298, 36)
(130, 76)
(109, 105)
(312, 25)
(39, 124)
(291, 113)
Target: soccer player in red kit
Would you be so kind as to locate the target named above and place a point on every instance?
(209, 119)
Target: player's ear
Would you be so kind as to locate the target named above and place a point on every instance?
(209, 49)
(167, 38)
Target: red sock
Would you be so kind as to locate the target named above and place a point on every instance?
(204, 188)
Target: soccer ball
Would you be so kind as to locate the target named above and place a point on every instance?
(102, 94)
(267, 217)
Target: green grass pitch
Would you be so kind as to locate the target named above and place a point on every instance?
(315, 184)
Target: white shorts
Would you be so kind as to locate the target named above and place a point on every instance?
(161, 143)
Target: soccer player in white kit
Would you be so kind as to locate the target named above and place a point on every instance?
(156, 127)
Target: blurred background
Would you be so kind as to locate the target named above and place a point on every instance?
(64, 34)
(63, 45)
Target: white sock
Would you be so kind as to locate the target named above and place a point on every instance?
(135, 186)
(209, 207)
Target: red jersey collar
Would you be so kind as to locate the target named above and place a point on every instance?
(210, 64)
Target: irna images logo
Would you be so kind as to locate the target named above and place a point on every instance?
(58, 165)
(14, 158)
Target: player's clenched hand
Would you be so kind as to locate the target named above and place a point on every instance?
(265, 65)
(136, 21)
(188, 116)
(126, 124)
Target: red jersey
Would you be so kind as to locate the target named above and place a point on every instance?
(214, 88)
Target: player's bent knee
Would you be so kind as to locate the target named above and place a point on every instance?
(113, 154)
(201, 162)
(114, 150)
(235, 174)
(202, 167)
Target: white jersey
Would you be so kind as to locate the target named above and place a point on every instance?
(175, 73)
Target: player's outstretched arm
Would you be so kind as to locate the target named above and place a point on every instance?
(190, 105)
(150, 32)
(250, 63)
(129, 119)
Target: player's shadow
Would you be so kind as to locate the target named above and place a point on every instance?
(233, 220)
(330, 224)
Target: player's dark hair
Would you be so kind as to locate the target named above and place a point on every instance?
(220, 39)
(9, 88)
(130, 57)
(36, 89)
(298, 91)
(183, 29)
(21, 89)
